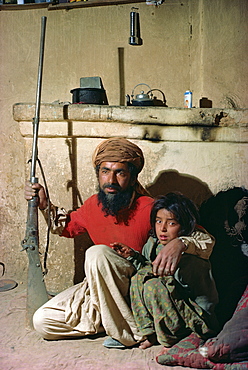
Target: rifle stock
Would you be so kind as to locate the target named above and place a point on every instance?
(36, 289)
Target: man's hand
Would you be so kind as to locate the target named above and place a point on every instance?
(31, 190)
(122, 249)
(168, 258)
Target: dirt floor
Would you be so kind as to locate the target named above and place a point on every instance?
(21, 348)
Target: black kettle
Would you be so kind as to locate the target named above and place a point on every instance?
(157, 102)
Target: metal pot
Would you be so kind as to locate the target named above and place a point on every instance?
(156, 101)
(141, 99)
(89, 96)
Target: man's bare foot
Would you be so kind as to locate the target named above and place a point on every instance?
(149, 342)
(145, 344)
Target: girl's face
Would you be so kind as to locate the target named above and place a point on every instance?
(166, 226)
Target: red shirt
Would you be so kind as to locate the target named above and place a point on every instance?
(105, 230)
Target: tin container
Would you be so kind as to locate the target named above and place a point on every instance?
(188, 99)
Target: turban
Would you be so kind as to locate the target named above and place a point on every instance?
(120, 150)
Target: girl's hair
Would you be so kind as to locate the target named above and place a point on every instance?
(183, 209)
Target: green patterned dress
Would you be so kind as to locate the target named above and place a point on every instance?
(174, 306)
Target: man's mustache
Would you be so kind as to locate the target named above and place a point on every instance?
(111, 186)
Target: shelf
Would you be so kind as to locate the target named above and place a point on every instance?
(90, 3)
(140, 123)
(23, 6)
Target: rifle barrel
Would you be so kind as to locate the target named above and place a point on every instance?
(38, 100)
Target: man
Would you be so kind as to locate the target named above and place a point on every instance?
(119, 213)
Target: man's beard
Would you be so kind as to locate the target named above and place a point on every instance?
(113, 203)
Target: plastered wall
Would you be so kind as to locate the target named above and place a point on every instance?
(197, 45)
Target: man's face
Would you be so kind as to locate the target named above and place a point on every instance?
(114, 177)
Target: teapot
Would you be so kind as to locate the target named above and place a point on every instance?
(156, 101)
(141, 99)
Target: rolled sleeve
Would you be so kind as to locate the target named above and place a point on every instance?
(56, 218)
(199, 243)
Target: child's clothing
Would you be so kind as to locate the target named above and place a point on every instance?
(173, 306)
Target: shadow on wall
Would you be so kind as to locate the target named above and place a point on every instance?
(81, 244)
(171, 180)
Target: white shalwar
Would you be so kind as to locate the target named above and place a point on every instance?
(98, 304)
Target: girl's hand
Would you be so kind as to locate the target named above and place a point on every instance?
(122, 249)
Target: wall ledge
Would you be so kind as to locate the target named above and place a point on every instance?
(147, 123)
(150, 115)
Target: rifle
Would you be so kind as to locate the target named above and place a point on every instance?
(36, 289)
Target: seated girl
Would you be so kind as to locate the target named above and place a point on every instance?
(169, 307)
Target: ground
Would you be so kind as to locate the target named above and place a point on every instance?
(21, 348)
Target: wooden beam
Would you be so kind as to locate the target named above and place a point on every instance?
(23, 6)
(91, 3)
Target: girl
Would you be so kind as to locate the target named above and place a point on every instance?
(168, 307)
